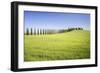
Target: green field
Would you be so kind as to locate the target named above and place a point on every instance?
(61, 46)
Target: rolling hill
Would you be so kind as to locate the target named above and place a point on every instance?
(61, 46)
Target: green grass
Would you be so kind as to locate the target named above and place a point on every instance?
(61, 46)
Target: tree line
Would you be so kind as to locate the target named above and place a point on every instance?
(36, 31)
(48, 31)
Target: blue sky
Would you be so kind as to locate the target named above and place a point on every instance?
(55, 20)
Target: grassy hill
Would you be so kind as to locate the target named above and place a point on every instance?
(61, 46)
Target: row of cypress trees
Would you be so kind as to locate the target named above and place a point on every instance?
(44, 31)
(36, 32)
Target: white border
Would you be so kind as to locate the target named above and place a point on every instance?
(22, 64)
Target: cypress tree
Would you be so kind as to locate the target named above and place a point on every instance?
(34, 31)
(43, 31)
(27, 31)
(37, 31)
(31, 31)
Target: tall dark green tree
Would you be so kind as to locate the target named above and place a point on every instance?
(27, 31)
(31, 31)
(34, 31)
(43, 31)
(37, 31)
